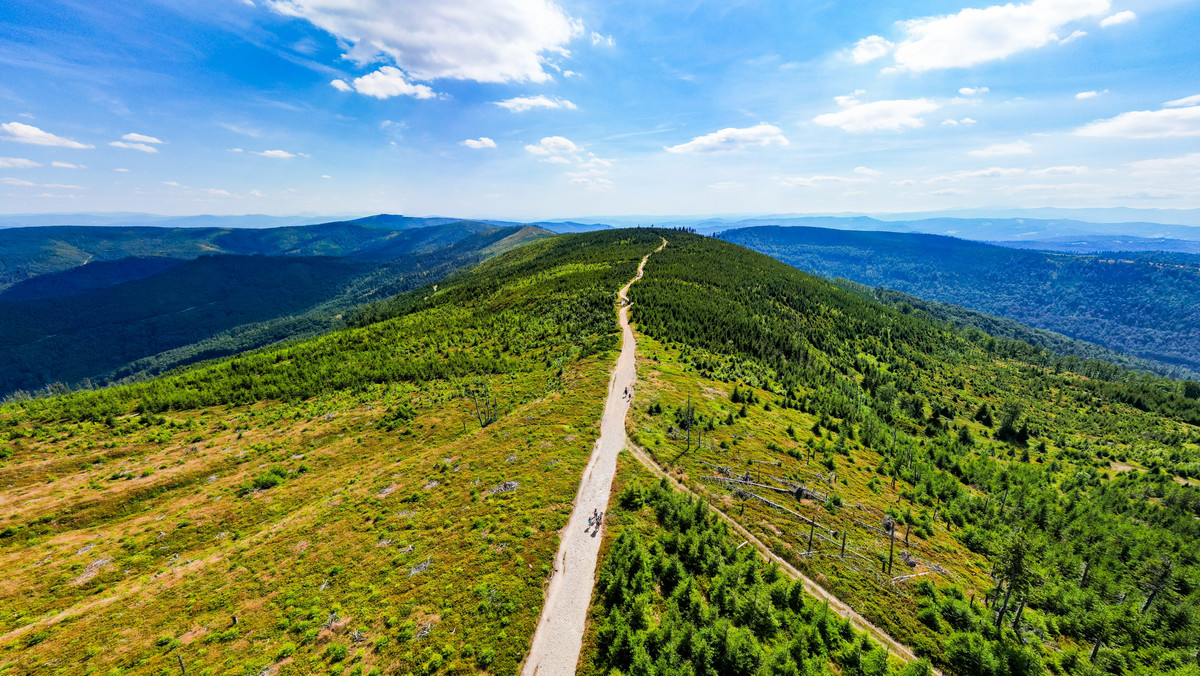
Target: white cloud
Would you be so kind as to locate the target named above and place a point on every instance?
(974, 36)
(121, 170)
(66, 165)
(1087, 95)
(972, 91)
(481, 142)
(217, 192)
(892, 115)
(1185, 101)
(1168, 166)
(277, 154)
(140, 138)
(1055, 187)
(815, 181)
(16, 181)
(27, 133)
(731, 139)
(1073, 37)
(174, 184)
(520, 104)
(870, 48)
(134, 146)
(605, 40)
(1164, 123)
(948, 192)
(991, 173)
(725, 185)
(904, 182)
(17, 163)
(867, 171)
(481, 40)
(326, 176)
(1118, 19)
(1153, 194)
(1060, 171)
(965, 122)
(341, 85)
(1004, 149)
(387, 82)
(554, 146)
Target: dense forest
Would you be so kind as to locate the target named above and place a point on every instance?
(1065, 504)
(1143, 304)
(109, 321)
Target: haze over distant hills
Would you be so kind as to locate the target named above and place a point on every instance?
(1146, 304)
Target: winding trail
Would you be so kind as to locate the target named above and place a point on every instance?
(559, 635)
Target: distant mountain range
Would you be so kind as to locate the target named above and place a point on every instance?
(1142, 304)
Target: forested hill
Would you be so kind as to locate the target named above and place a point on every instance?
(106, 321)
(28, 252)
(1143, 304)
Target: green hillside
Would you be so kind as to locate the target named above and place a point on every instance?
(386, 498)
(26, 253)
(107, 321)
(1143, 304)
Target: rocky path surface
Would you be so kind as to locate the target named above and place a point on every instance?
(559, 635)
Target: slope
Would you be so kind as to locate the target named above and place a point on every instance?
(1146, 305)
(29, 252)
(385, 497)
(1038, 517)
(102, 327)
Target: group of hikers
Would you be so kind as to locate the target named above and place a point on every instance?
(628, 394)
(596, 519)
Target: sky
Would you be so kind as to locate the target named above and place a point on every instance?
(537, 109)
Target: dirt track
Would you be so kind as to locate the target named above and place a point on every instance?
(559, 635)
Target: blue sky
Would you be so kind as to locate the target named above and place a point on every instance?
(545, 108)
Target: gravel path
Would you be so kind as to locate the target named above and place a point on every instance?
(559, 636)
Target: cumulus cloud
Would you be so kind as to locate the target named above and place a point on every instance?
(993, 172)
(1168, 166)
(140, 138)
(602, 40)
(27, 133)
(134, 146)
(974, 36)
(732, 139)
(1118, 19)
(1003, 149)
(554, 146)
(870, 48)
(857, 117)
(1087, 95)
(341, 85)
(477, 143)
(387, 82)
(587, 170)
(964, 122)
(972, 91)
(1180, 118)
(867, 171)
(480, 40)
(1185, 101)
(815, 181)
(1060, 171)
(520, 104)
(17, 163)
(277, 154)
